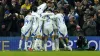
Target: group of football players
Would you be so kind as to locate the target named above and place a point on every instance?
(41, 24)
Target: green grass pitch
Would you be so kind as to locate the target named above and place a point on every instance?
(50, 53)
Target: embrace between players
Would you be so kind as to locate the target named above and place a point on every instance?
(40, 24)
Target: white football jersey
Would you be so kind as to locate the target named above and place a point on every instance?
(25, 30)
(41, 8)
(37, 20)
(60, 19)
(48, 18)
(28, 20)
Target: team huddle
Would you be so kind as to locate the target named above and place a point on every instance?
(41, 25)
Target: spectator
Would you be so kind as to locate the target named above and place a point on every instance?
(97, 5)
(13, 26)
(78, 4)
(25, 7)
(66, 9)
(35, 3)
(5, 24)
(79, 31)
(89, 27)
(86, 4)
(62, 2)
(82, 43)
(51, 5)
(3, 30)
(1, 13)
(14, 7)
(20, 23)
(80, 9)
(80, 12)
(71, 2)
(71, 25)
(73, 13)
(21, 2)
(98, 22)
(88, 11)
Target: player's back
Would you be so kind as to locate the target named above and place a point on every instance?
(36, 18)
(28, 20)
(60, 19)
(48, 19)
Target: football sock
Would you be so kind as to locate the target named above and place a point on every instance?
(20, 44)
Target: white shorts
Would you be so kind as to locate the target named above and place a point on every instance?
(36, 30)
(62, 31)
(25, 31)
(48, 30)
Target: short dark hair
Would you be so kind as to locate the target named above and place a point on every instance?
(27, 12)
(61, 9)
(34, 8)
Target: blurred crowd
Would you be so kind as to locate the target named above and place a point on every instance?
(82, 17)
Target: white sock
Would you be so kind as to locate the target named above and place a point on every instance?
(53, 45)
(20, 44)
(57, 44)
(35, 44)
(25, 45)
(69, 48)
(65, 45)
(45, 45)
(40, 44)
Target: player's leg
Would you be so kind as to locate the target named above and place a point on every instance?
(67, 40)
(45, 42)
(33, 43)
(45, 32)
(26, 43)
(27, 35)
(36, 44)
(22, 36)
(57, 44)
(61, 36)
(53, 43)
(68, 47)
(51, 34)
(53, 40)
(65, 32)
(33, 35)
(20, 42)
(39, 39)
(56, 39)
(39, 36)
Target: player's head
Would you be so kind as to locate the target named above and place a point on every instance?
(50, 3)
(56, 10)
(34, 8)
(61, 10)
(27, 12)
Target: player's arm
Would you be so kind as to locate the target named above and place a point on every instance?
(56, 20)
(45, 14)
(40, 18)
(41, 8)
